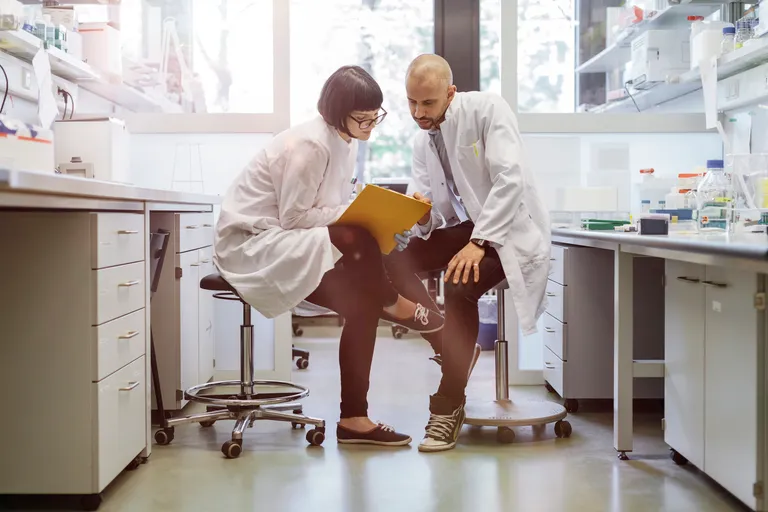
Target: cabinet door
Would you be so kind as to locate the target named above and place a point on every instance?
(188, 298)
(730, 388)
(206, 349)
(684, 359)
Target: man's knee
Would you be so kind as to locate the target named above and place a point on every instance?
(468, 292)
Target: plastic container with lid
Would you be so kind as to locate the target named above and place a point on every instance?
(714, 197)
(743, 33)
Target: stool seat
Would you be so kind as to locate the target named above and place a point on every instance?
(216, 283)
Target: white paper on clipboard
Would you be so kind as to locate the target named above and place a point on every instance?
(46, 105)
(708, 71)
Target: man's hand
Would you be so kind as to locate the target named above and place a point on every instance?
(464, 262)
(420, 197)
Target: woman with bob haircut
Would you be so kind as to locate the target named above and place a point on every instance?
(277, 245)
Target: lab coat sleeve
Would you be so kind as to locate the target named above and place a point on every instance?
(503, 158)
(421, 184)
(305, 167)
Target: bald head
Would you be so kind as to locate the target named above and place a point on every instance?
(429, 84)
(429, 67)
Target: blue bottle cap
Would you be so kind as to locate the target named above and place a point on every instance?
(729, 30)
(715, 164)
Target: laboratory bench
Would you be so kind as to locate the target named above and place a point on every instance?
(713, 368)
(75, 310)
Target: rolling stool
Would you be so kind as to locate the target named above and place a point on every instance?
(302, 363)
(503, 412)
(247, 406)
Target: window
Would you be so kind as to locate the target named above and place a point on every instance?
(382, 36)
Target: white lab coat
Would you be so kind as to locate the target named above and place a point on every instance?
(485, 151)
(272, 243)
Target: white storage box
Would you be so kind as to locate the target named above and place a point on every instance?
(103, 142)
(25, 147)
(102, 48)
(658, 55)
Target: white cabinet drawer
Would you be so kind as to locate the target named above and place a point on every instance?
(117, 343)
(117, 238)
(558, 253)
(553, 371)
(119, 291)
(121, 416)
(194, 230)
(556, 301)
(554, 335)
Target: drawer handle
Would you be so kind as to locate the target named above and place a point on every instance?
(715, 284)
(194, 264)
(193, 227)
(688, 279)
(550, 294)
(128, 335)
(128, 232)
(549, 329)
(549, 366)
(207, 225)
(205, 261)
(552, 259)
(129, 283)
(131, 386)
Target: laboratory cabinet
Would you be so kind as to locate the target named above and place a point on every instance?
(73, 349)
(711, 380)
(578, 323)
(182, 319)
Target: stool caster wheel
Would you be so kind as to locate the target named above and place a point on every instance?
(297, 426)
(232, 449)
(623, 456)
(505, 435)
(571, 405)
(164, 436)
(678, 458)
(563, 429)
(207, 424)
(549, 387)
(316, 436)
(134, 464)
(297, 331)
(90, 502)
(302, 363)
(398, 332)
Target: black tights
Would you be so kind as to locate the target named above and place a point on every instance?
(357, 288)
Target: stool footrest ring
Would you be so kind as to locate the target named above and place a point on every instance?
(237, 400)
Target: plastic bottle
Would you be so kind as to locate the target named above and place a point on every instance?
(714, 198)
(729, 40)
(743, 33)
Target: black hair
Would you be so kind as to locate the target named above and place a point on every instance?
(348, 89)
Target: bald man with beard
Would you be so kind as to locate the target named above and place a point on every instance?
(487, 224)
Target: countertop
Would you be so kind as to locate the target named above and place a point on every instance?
(746, 245)
(25, 182)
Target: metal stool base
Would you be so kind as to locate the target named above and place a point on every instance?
(506, 413)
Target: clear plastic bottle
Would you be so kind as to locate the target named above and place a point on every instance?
(714, 197)
(729, 40)
(743, 33)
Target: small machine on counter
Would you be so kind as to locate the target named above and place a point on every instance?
(95, 148)
(658, 55)
(25, 147)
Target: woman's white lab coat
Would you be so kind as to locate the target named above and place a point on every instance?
(272, 243)
(486, 155)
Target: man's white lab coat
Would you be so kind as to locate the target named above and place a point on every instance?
(485, 151)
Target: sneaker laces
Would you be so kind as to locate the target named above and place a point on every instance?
(385, 427)
(440, 427)
(421, 314)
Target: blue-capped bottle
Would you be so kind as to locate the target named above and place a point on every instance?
(714, 197)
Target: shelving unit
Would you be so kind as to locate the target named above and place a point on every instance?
(618, 53)
(25, 46)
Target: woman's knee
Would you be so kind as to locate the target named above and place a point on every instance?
(356, 241)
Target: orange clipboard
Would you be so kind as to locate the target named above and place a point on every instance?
(384, 213)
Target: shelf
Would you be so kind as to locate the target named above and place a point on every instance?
(23, 45)
(648, 98)
(619, 53)
(736, 61)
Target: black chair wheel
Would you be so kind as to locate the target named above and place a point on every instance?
(295, 425)
(572, 405)
(164, 436)
(207, 424)
(134, 464)
(232, 449)
(90, 502)
(549, 387)
(297, 331)
(302, 363)
(563, 429)
(315, 437)
(678, 458)
(505, 435)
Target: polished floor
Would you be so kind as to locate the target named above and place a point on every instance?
(279, 472)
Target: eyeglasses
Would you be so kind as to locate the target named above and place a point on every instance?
(367, 123)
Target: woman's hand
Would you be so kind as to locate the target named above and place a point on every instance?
(403, 239)
(424, 199)
(465, 261)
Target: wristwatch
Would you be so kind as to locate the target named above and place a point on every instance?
(479, 242)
